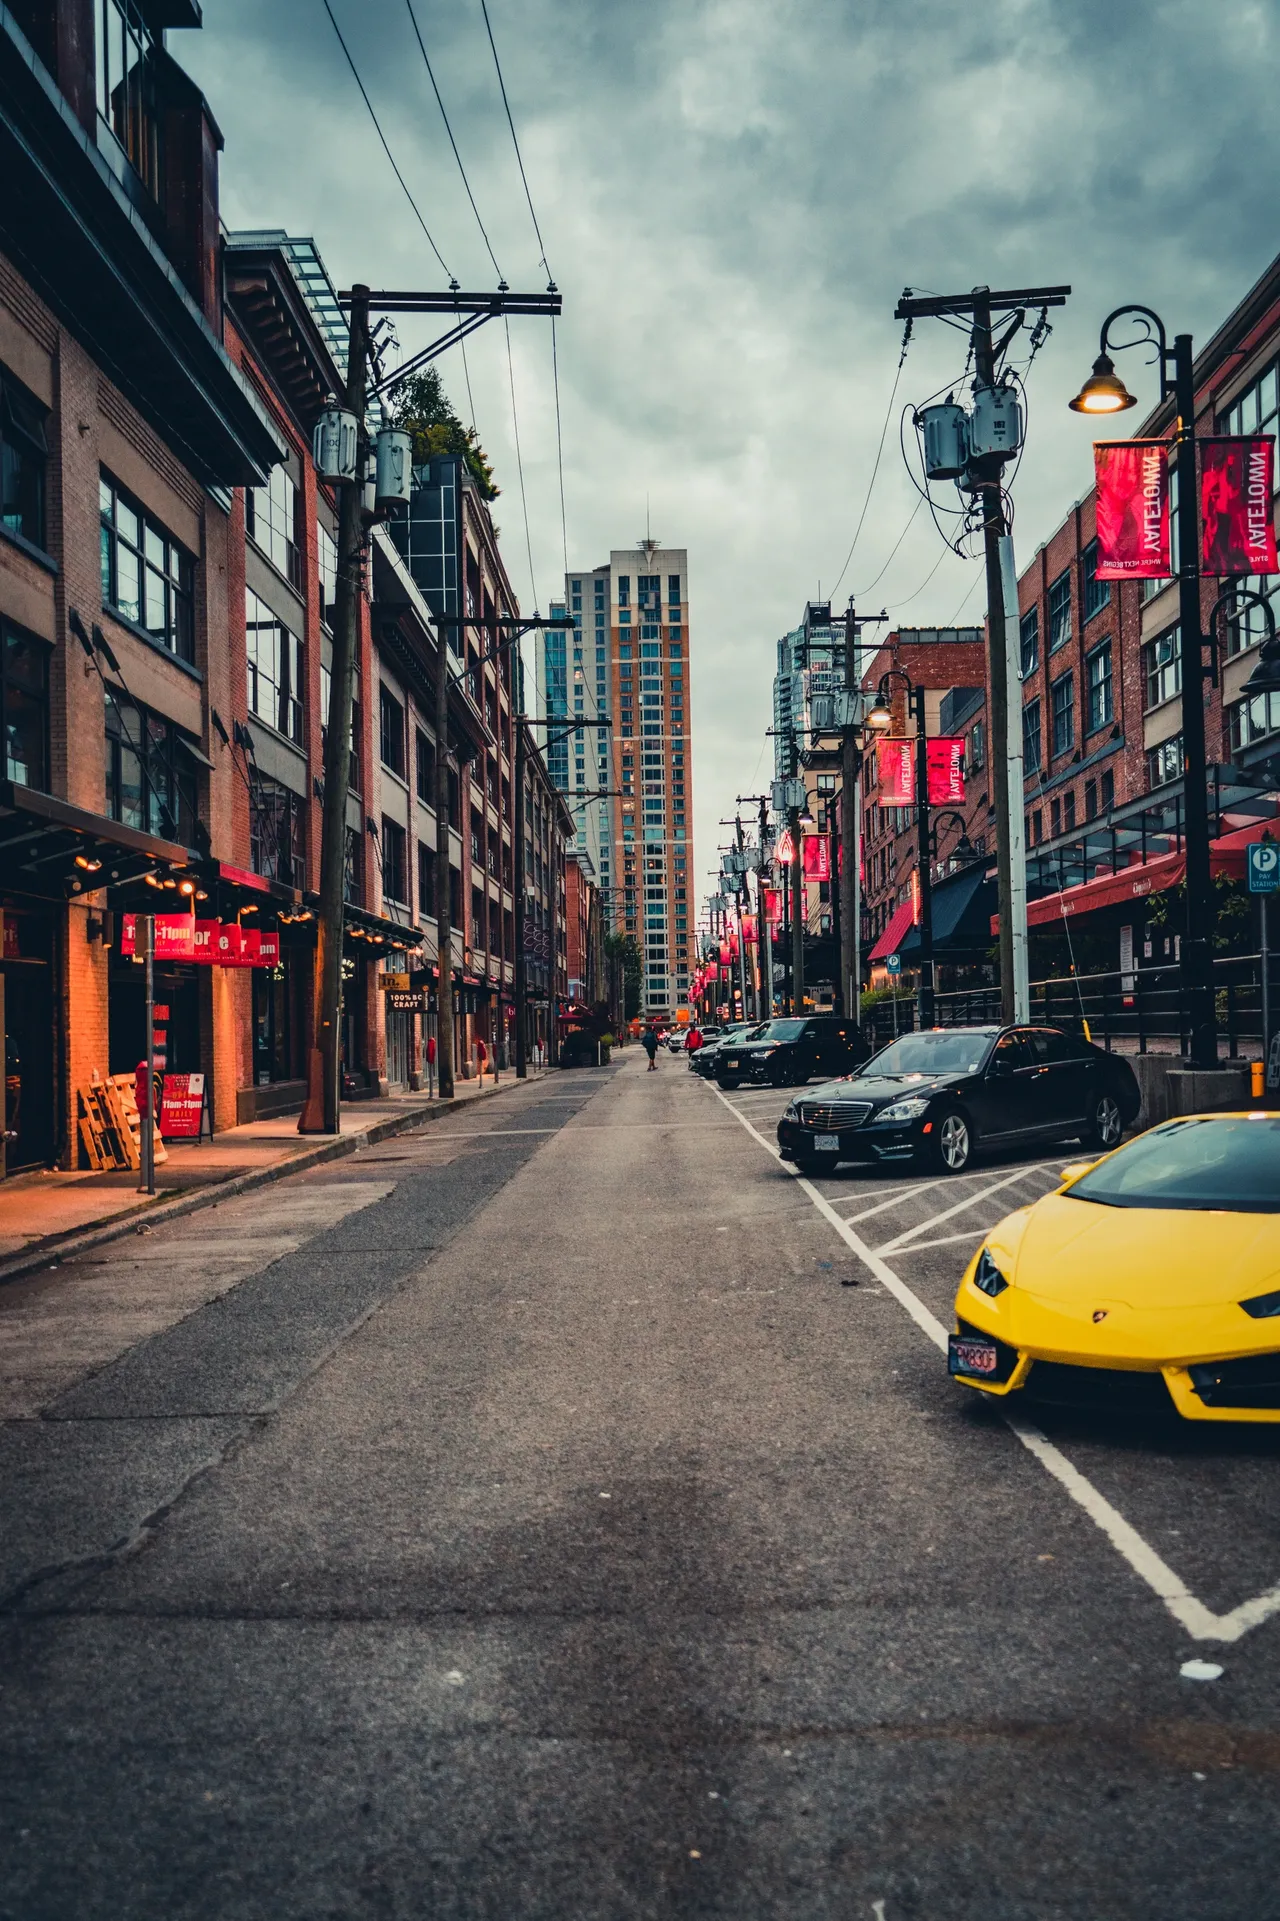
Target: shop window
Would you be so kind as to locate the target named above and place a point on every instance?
(395, 863)
(390, 730)
(1097, 593)
(271, 522)
(275, 669)
(1101, 696)
(24, 707)
(147, 578)
(276, 821)
(1062, 697)
(150, 776)
(23, 454)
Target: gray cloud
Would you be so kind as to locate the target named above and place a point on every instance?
(732, 194)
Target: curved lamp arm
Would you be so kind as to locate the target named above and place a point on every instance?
(1235, 598)
(1154, 330)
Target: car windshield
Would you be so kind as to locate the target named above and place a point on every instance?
(1220, 1162)
(959, 1050)
(779, 1031)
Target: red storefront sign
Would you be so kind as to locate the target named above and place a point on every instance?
(175, 936)
(1132, 479)
(1237, 532)
(181, 1106)
(773, 906)
(817, 857)
(946, 770)
(749, 927)
(896, 773)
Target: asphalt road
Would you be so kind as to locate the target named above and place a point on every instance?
(582, 1524)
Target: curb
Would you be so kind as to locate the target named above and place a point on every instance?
(54, 1248)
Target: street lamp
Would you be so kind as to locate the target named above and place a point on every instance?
(915, 705)
(1104, 393)
(964, 848)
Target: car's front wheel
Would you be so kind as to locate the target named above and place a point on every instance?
(952, 1142)
(1106, 1123)
(728, 1081)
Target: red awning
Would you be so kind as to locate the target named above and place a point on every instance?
(1226, 856)
(899, 921)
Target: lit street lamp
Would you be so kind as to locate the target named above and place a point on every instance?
(1105, 393)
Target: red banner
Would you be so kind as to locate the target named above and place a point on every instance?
(817, 857)
(1238, 533)
(896, 773)
(749, 927)
(724, 953)
(181, 1106)
(1132, 481)
(946, 770)
(175, 936)
(773, 906)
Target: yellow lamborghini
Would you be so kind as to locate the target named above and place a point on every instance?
(1149, 1281)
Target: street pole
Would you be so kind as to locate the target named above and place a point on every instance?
(444, 917)
(322, 1109)
(797, 915)
(1197, 949)
(924, 995)
(520, 878)
(850, 827)
(146, 1120)
(1013, 759)
(1266, 990)
(763, 874)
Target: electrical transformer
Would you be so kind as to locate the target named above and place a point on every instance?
(995, 426)
(394, 468)
(333, 443)
(946, 439)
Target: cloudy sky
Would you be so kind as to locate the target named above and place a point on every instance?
(733, 194)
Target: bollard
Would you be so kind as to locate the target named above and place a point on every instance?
(1258, 1079)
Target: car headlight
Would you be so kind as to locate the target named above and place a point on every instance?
(1263, 1307)
(987, 1277)
(792, 1112)
(908, 1110)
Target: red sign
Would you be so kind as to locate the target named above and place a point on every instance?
(749, 927)
(1238, 535)
(896, 772)
(817, 857)
(268, 949)
(181, 1106)
(1132, 481)
(724, 953)
(175, 936)
(773, 906)
(946, 770)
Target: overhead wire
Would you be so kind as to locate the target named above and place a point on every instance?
(502, 87)
(404, 185)
(888, 415)
(452, 142)
(861, 591)
(515, 423)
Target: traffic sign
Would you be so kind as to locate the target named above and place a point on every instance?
(1264, 867)
(894, 963)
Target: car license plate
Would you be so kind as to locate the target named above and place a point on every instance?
(733, 1063)
(827, 1143)
(967, 1356)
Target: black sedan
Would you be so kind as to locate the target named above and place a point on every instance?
(703, 1059)
(935, 1098)
(787, 1053)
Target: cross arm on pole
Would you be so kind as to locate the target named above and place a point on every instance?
(925, 306)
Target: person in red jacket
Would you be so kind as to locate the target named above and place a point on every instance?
(694, 1042)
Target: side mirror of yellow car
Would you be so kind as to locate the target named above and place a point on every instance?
(1076, 1169)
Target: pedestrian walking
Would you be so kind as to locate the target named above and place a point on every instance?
(649, 1042)
(482, 1057)
(694, 1041)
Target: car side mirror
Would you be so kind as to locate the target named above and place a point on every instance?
(1000, 1068)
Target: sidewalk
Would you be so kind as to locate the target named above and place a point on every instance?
(49, 1214)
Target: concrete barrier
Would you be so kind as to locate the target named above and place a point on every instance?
(1169, 1087)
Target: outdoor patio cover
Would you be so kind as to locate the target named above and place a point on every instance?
(899, 921)
(961, 912)
(1226, 856)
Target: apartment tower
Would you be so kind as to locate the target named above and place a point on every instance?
(630, 663)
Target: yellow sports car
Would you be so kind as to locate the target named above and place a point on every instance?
(1150, 1280)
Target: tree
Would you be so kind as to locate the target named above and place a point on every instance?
(424, 411)
(627, 949)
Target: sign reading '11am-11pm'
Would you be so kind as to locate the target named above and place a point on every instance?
(208, 943)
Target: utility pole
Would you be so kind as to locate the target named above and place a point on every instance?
(1002, 616)
(320, 1113)
(798, 916)
(764, 929)
(850, 876)
(924, 996)
(444, 881)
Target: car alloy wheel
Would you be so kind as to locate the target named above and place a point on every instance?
(1108, 1122)
(954, 1143)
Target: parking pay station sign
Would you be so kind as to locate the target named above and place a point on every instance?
(893, 962)
(1264, 867)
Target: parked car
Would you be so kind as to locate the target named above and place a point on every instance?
(704, 1060)
(937, 1097)
(787, 1053)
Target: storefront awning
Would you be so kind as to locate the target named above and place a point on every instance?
(375, 932)
(961, 915)
(899, 921)
(54, 851)
(1227, 855)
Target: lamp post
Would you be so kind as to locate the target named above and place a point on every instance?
(879, 719)
(1105, 393)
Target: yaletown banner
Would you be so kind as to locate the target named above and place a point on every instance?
(1238, 530)
(1132, 478)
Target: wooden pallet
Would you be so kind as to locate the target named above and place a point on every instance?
(111, 1127)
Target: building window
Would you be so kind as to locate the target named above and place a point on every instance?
(151, 779)
(271, 522)
(1031, 737)
(23, 452)
(1254, 411)
(1249, 625)
(390, 730)
(395, 865)
(1162, 668)
(673, 589)
(1091, 800)
(146, 576)
(426, 881)
(1107, 790)
(977, 747)
(425, 768)
(327, 552)
(1055, 819)
(1035, 832)
(1069, 810)
(24, 707)
(1062, 698)
(275, 669)
(1100, 694)
(127, 59)
(1097, 593)
(1060, 612)
(1164, 763)
(276, 832)
(1029, 632)
(1253, 719)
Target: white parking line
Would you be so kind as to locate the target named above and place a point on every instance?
(1191, 1613)
(945, 1240)
(908, 1187)
(983, 1193)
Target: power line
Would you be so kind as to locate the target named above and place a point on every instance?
(452, 142)
(862, 591)
(555, 376)
(515, 143)
(888, 413)
(515, 424)
(383, 138)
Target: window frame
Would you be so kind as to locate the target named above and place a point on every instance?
(1095, 718)
(1062, 709)
(1058, 603)
(1154, 671)
(24, 446)
(1095, 594)
(285, 675)
(35, 699)
(176, 576)
(1032, 729)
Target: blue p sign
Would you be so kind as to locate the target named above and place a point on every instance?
(1264, 867)
(894, 962)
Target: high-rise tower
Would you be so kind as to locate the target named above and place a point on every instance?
(630, 650)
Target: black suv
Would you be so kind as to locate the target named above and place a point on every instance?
(787, 1053)
(936, 1097)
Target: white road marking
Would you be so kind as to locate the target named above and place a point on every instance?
(945, 1240)
(961, 1207)
(1191, 1614)
(894, 1198)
